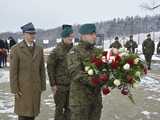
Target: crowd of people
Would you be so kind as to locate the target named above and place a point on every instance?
(148, 47)
(4, 50)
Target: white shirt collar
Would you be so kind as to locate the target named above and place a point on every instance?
(29, 45)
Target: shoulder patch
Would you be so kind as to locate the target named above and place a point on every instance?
(71, 52)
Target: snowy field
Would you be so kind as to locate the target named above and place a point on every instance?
(115, 106)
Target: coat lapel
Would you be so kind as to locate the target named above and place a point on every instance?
(36, 51)
(27, 52)
(25, 49)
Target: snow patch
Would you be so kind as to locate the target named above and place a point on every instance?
(151, 84)
(4, 75)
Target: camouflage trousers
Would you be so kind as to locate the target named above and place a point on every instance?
(86, 112)
(148, 59)
(62, 111)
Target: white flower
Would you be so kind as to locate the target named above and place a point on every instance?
(104, 59)
(109, 61)
(86, 68)
(136, 84)
(117, 82)
(90, 72)
(136, 61)
(126, 67)
(137, 74)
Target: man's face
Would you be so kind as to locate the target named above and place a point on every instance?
(29, 37)
(149, 37)
(69, 40)
(90, 38)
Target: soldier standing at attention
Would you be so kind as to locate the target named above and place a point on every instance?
(131, 45)
(116, 43)
(85, 99)
(58, 74)
(27, 75)
(148, 48)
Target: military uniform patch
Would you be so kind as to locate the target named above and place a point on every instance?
(71, 52)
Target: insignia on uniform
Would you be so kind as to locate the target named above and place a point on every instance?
(71, 52)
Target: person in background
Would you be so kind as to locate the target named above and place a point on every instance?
(131, 45)
(12, 42)
(5, 53)
(2, 46)
(148, 48)
(158, 48)
(116, 43)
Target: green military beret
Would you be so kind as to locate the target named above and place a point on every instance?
(65, 26)
(66, 32)
(116, 38)
(149, 35)
(131, 36)
(87, 29)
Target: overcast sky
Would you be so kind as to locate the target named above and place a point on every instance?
(47, 14)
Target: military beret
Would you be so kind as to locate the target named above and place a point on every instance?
(87, 29)
(116, 38)
(28, 28)
(66, 26)
(149, 35)
(66, 32)
(131, 36)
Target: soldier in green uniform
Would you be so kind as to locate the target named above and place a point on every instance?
(58, 74)
(148, 48)
(85, 99)
(158, 48)
(131, 45)
(116, 43)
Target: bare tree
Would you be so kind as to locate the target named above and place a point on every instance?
(154, 5)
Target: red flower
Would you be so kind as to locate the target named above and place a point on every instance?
(130, 61)
(106, 91)
(97, 61)
(117, 58)
(95, 81)
(114, 65)
(130, 79)
(125, 91)
(104, 77)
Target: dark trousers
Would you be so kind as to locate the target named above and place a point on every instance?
(25, 118)
(62, 111)
(1, 60)
(148, 59)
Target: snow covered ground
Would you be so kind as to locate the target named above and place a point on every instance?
(4, 75)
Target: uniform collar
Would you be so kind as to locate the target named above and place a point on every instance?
(29, 45)
(86, 45)
(66, 46)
